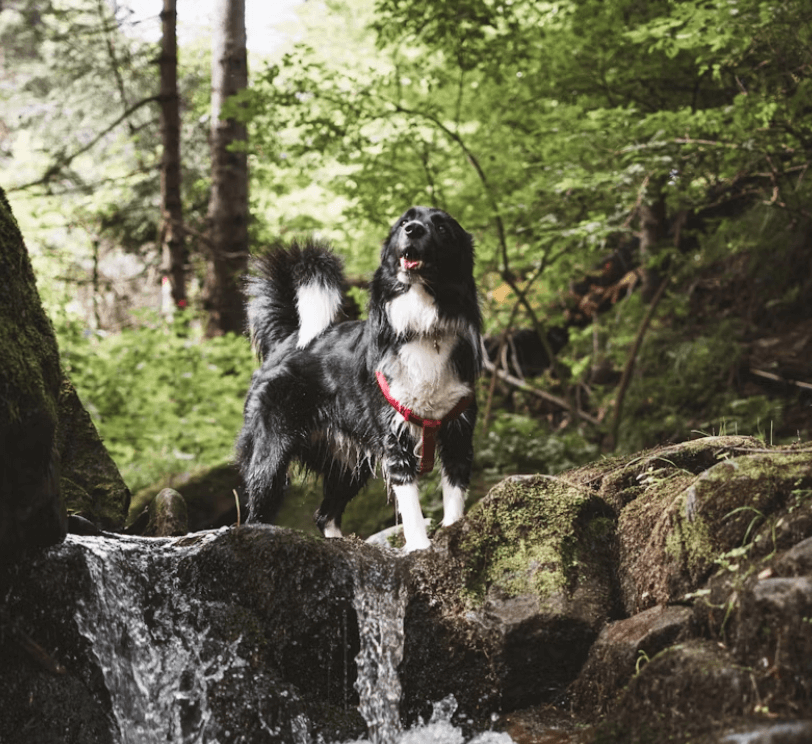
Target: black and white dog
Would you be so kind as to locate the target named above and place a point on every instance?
(344, 397)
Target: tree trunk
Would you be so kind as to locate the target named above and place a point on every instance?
(173, 249)
(228, 204)
(653, 230)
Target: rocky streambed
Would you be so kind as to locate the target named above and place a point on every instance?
(661, 597)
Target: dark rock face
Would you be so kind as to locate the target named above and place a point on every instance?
(31, 512)
(90, 481)
(53, 461)
(248, 634)
(51, 687)
(621, 650)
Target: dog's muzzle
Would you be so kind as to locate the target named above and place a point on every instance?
(410, 245)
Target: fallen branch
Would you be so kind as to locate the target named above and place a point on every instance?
(549, 397)
(777, 378)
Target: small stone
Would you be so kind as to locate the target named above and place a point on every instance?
(167, 515)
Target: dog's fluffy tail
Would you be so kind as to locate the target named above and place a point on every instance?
(294, 289)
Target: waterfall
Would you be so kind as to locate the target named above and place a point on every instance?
(379, 601)
(150, 641)
(163, 657)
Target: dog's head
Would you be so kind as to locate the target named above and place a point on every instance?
(426, 243)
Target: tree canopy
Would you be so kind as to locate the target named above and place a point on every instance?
(545, 125)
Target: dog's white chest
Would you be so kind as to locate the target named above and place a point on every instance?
(422, 377)
(413, 312)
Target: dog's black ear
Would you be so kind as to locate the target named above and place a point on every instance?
(458, 260)
(379, 291)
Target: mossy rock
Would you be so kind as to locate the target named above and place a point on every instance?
(31, 512)
(684, 526)
(530, 572)
(210, 499)
(534, 535)
(618, 479)
(91, 483)
(168, 516)
(688, 693)
(208, 494)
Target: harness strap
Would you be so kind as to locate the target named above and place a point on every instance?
(430, 427)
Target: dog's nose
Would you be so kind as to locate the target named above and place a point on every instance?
(414, 229)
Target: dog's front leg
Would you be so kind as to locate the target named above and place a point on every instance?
(457, 456)
(453, 500)
(407, 498)
(401, 474)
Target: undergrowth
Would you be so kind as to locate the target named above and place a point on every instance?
(164, 399)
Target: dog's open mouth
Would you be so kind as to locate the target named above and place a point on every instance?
(408, 264)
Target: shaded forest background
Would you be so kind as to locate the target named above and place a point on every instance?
(634, 174)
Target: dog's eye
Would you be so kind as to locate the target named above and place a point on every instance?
(442, 229)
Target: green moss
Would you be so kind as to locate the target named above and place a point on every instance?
(528, 536)
(691, 542)
(31, 510)
(30, 356)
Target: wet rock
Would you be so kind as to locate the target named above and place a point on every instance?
(64, 700)
(243, 634)
(776, 732)
(167, 515)
(535, 600)
(622, 648)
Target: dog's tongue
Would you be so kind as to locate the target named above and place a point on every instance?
(410, 265)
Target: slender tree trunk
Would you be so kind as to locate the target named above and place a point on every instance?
(652, 232)
(228, 204)
(173, 249)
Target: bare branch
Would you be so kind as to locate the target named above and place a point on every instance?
(66, 160)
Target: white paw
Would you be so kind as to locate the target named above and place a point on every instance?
(417, 544)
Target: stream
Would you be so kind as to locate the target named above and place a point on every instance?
(163, 664)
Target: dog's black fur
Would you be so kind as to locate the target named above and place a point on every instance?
(315, 396)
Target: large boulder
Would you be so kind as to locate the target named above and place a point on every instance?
(53, 461)
(31, 511)
(527, 584)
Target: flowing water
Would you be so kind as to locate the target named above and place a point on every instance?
(150, 639)
(149, 642)
(380, 603)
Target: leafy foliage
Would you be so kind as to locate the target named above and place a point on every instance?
(544, 125)
(517, 443)
(163, 399)
(80, 146)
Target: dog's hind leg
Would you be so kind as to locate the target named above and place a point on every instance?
(340, 486)
(264, 467)
(264, 502)
(267, 444)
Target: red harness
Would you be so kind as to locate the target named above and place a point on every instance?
(430, 427)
